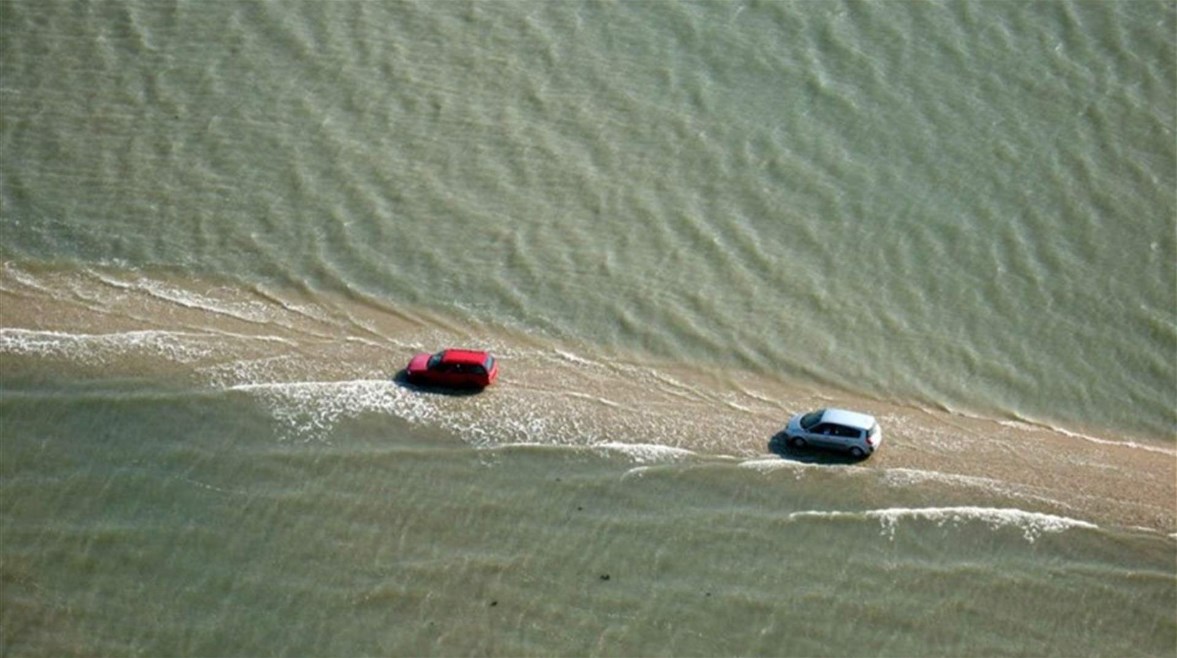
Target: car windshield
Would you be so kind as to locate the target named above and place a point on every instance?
(435, 360)
(489, 363)
(811, 419)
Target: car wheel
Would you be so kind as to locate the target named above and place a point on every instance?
(856, 452)
(797, 442)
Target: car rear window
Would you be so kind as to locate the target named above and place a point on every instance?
(489, 364)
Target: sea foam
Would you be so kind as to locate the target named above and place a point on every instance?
(310, 410)
(644, 453)
(1032, 524)
(94, 348)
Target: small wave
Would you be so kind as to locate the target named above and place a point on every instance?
(673, 465)
(1024, 425)
(248, 311)
(173, 345)
(738, 407)
(912, 476)
(594, 398)
(771, 464)
(177, 346)
(907, 477)
(1032, 524)
(1127, 444)
(574, 358)
(645, 453)
(760, 397)
(528, 445)
(308, 311)
(22, 277)
(310, 410)
(636, 471)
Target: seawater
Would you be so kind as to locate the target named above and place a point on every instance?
(225, 226)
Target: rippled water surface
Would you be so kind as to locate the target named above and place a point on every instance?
(226, 226)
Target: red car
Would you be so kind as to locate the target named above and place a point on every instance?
(453, 368)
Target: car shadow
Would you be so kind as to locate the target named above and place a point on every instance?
(779, 445)
(401, 379)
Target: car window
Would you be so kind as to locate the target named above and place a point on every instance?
(847, 432)
(434, 361)
(809, 420)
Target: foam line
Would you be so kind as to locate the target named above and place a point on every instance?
(593, 398)
(770, 464)
(645, 453)
(1023, 425)
(1032, 524)
(263, 338)
(574, 358)
(309, 410)
(23, 278)
(253, 312)
(908, 476)
(1126, 444)
(168, 343)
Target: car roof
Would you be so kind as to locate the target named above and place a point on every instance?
(849, 418)
(468, 357)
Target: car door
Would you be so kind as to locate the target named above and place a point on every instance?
(854, 437)
(466, 375)
(844, 437)
(821, 435)
(444, 374)
(478, 376)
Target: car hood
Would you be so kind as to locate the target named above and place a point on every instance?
(419, 363)
(794, 424)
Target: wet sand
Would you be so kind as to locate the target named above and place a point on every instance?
(209, 334)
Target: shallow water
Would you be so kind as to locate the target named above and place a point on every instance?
(225, 227)
(165, 522)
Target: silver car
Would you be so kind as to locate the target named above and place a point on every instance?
(850, 431)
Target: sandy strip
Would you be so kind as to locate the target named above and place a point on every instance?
(213, 334)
